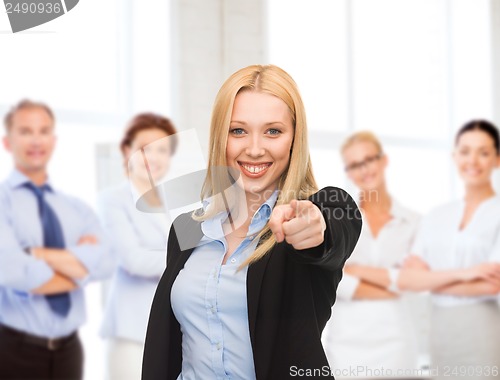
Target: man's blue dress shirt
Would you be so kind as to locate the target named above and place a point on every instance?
(20, 273)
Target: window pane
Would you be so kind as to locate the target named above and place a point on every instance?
(328, 168)
(308, 40)
(400, 67)
(419, 178)
(74, 68)
(471, 60)
(73, 166)
(151, 56)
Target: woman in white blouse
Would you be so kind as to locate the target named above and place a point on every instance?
(457, 257)
(370, 326)
(138, 241)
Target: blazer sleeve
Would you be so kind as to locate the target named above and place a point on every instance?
(343, 227)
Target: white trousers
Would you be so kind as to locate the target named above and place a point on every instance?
(465, 341)
(124, 359)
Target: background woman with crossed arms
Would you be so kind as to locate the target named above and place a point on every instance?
(371, 326)
(457, 257)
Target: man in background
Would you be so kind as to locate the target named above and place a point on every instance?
(51, 245)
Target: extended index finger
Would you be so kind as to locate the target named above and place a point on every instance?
(280, 214)
(302, 206)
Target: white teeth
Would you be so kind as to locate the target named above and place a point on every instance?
(255, 169)
(472, 172)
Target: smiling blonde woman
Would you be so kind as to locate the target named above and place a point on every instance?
(250, 298)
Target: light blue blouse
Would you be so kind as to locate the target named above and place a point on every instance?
(210, 302)
(138, 240)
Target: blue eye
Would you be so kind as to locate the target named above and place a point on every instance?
(237, 131)
(274, 131)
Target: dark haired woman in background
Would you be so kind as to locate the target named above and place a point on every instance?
(457, 257)
(138, 241)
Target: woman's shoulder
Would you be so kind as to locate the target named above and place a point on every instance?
(454, 206)
(442, 214)
(185, 220)
(187, 231)
(495, 201)
(402, 211)
(115, 197)
(491, 209)
(444, 209)
(118, 191)
(331, 195)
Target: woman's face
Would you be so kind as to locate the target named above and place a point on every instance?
(365, 166)
(156, 146)
(476, 157)
(259, 140)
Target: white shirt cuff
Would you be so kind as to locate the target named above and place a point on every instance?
(347, 287)
(393, 277)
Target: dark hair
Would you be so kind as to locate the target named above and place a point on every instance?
(22, 105)
(148, 120)
(484, 126)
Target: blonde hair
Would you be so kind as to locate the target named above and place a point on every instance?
(297, 182)
(362, 136)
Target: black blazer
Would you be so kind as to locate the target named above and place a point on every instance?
(289, 294)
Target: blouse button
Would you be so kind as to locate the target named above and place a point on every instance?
(233, 260)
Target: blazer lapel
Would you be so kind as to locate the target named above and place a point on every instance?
(174, 267)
